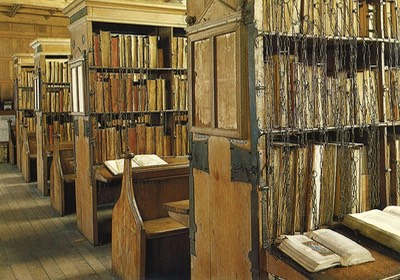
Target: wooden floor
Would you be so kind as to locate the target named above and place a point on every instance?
(37, 244)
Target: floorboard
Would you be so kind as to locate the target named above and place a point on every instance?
(37, 244)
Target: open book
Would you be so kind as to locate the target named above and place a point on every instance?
(117, 166)
(381, 226)
(324, 248)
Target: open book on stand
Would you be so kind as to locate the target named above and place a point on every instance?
(324, 248)
(117, 166)
(381, 226)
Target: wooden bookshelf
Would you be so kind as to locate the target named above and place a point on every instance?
(134, 91)
(23, 99)
(306, 133)
(52, 106)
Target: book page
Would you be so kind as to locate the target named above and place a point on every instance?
(115, 166)
(350, 252)
(312, 255)
(149, 160)
(381, 219)
(393, 210)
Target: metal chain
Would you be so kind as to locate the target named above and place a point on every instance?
(375, 156)
(339, 98)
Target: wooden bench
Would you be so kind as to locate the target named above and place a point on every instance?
(146, 243)
(28, 156)
(12, 142)
(62, 178)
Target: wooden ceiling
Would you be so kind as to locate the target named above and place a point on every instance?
(45, 8)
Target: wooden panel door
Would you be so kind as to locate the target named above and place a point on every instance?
(221, 207)
(86, 198)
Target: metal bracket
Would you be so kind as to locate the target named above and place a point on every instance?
(242, 168)
(76, 127)
(199, 155)
(87, 129)
(40, 119)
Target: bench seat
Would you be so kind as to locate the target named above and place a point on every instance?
(163, 227)
(69, 178)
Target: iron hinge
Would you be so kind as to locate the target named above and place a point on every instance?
(76, 127)
(88, 129)
(199, 155)
(242, 167)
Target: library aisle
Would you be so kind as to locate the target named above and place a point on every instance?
(36, 244)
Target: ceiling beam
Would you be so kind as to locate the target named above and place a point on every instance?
(41, 12)
(55, 4)
(35, 19)
(14, 10)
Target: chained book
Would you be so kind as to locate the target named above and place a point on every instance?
(382, 226)
(116, 166)
(324, 248)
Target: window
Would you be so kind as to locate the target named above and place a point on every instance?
(78, 86)
(36, 91)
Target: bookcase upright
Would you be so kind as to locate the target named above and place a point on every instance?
(299, 129)
(52, 97)
(128, 80)
(24, 98)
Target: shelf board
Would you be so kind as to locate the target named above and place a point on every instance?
(140, 112)
(327, 129)
(49, 84)
(7, 112)
(129, 70)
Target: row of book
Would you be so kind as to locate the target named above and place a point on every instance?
(304, 96)
(136, 51)
(25, 78)
(332, 18)
(65, 130)
(111, 143)
(311, 185)
(392, 96)
(29, 123)
(57, 101)
(180, 92)
(179, 53)
(57, 71)
(394, 152)
(26, 99)
(391, 19)
(120, 93)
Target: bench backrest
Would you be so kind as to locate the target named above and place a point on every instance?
(66, 157)
(63, 155)
(30, 142)
(11, 133)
